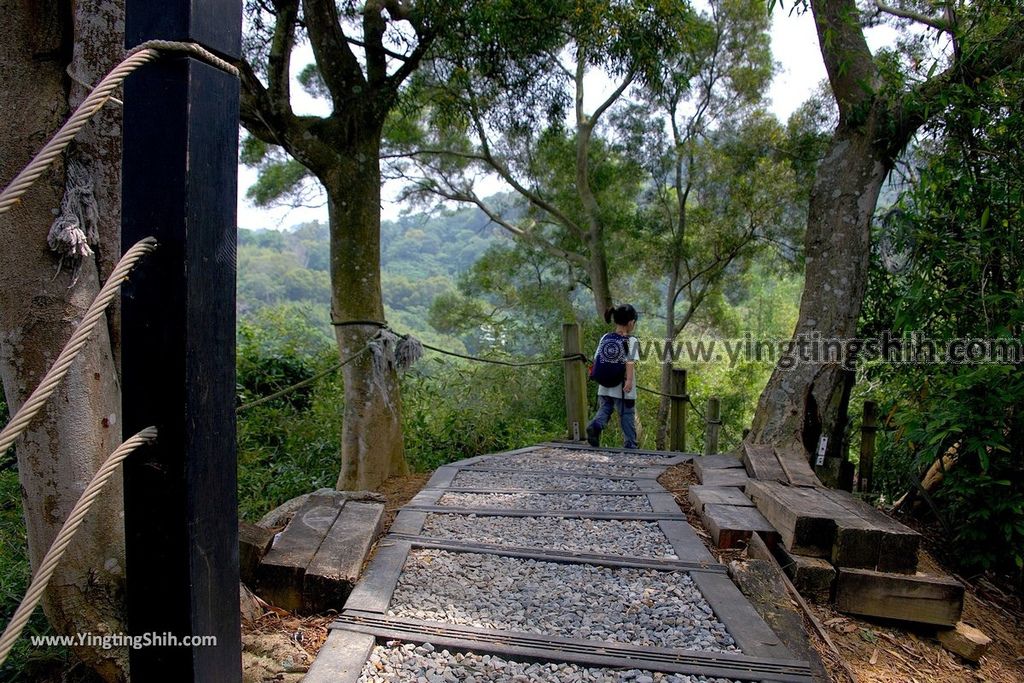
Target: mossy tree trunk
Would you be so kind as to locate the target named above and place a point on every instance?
(40, 44)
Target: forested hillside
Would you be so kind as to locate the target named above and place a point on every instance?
(422, 256)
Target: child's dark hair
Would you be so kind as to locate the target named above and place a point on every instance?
(621, 314)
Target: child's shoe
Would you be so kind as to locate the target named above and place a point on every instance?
(593, 435)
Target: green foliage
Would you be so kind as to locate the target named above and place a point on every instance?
(25, 661)
(458, 409)
(289, 445)
(948, 265)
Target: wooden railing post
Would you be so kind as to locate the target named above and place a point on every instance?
(178, 361)
(677, 423)
(868, 428)
(712, 425)
(575, 383)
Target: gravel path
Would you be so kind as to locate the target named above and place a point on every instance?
(630, 538)
(424, 664)
(503, 480)
(582, 456)
(554, 465)
(622, 605)
(547, 501)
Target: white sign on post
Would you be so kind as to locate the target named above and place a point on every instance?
(822, 447)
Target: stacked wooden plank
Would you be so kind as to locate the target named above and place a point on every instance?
(728, 515)
(314, 563)
(874, 557)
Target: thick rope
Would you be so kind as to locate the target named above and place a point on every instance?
(67, 532)
(511, 364)
(93, 317)
(104, 90)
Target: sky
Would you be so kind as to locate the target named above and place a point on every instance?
(794, 48)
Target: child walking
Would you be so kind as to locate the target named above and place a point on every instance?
(616, 349)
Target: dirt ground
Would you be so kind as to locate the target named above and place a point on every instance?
(881, 652)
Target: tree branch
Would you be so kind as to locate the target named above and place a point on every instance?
(848, 60)
(279, 58)
(338, 64)
(933, 22)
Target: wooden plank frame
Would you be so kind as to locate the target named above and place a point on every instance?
(372, 597)
(764, 656)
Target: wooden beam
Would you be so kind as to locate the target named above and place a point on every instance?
(575, 383)
(868, 428)
(730, 525)
(759, 460)
(937, 600)
(700, 496)
(178, 359)
(803, 517)
(712, 425)
(677, 422)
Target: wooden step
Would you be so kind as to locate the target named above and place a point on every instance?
(867, 538)
(760, 462)
(701, 495)
(803, 517)
(730, 525)
(813, 577)
(718, 461)
(765, 462)
(921, 599)
(831, 524)
(335, 568)
(253, 543)
(316, 560)
(724, 477)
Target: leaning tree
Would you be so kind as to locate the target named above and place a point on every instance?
(50, 53)
(882, 101)
(365, 55)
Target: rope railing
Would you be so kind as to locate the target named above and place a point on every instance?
(94, 315)
(100, 95)
(304, 383)
(64, 537)
(507, 363)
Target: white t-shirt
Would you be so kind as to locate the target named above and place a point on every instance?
(616, 392)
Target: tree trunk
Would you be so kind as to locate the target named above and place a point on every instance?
(801, 403)
(38, 312)
(371, 441)
(598, 271)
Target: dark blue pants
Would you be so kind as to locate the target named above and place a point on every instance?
(626, 408)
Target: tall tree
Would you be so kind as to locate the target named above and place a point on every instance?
(365, 54)
(578, 187)
(43, 44)
(881, 102)
(707, 148)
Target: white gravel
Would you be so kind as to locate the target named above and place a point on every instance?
(504, 480)
(543, 464)
(646, 607)
(547, 501)
(408, 662)
(630, 538)
(583, 456)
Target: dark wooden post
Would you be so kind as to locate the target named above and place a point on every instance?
(178, 359)
(712, 425)
(677, 422)
(868, 428)
(575, 383)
